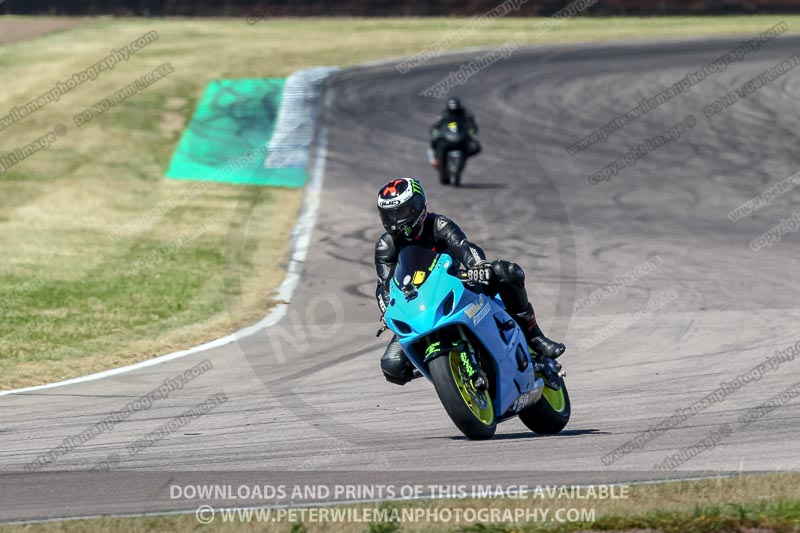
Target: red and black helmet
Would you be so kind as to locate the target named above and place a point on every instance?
(403, 208)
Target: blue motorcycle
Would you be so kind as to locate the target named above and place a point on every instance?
(471, 349)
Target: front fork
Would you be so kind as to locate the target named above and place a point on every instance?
(470, 360)
(466, 352)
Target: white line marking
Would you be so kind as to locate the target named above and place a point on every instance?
(301, 238)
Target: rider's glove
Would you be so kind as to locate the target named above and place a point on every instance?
(480, 273)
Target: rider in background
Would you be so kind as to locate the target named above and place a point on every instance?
(403, 209)
(454, 111)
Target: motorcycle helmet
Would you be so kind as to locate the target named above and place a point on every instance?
(454, 106)
(403, 207)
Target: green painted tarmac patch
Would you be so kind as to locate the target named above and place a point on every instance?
(227, 138)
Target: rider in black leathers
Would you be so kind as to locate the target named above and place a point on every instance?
(403, 209)
(454, 111)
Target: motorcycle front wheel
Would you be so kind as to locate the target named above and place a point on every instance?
(470, 410)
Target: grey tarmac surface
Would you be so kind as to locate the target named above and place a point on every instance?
(306, 402)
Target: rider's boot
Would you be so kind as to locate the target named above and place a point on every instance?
(540, 344)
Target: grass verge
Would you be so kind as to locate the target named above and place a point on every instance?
(77, 300)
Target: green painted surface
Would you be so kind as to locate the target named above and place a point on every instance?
(227, 137)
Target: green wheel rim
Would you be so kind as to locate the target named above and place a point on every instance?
(555, 398)
(480, 403)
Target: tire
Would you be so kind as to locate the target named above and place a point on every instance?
(444, 178)
(452, 170)
(459, 171)
(477, 421)
(550, 414)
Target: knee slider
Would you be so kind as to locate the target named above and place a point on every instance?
(393, 365)
(396, 381)
(396, 370)
(394, 362)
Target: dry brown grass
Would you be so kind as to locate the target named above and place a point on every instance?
(91, 308)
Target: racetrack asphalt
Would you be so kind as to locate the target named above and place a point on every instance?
(306, 402)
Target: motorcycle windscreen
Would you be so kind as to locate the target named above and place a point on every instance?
(414, 265)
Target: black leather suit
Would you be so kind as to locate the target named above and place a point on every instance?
(467, 121)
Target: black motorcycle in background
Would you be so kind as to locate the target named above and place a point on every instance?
(452, 143)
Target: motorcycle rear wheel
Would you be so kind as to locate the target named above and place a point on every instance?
(470, 410)
(551, 413)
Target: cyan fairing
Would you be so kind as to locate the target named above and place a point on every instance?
(429, 304)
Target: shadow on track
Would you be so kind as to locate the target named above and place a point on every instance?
(531, 435)
(481, 186)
